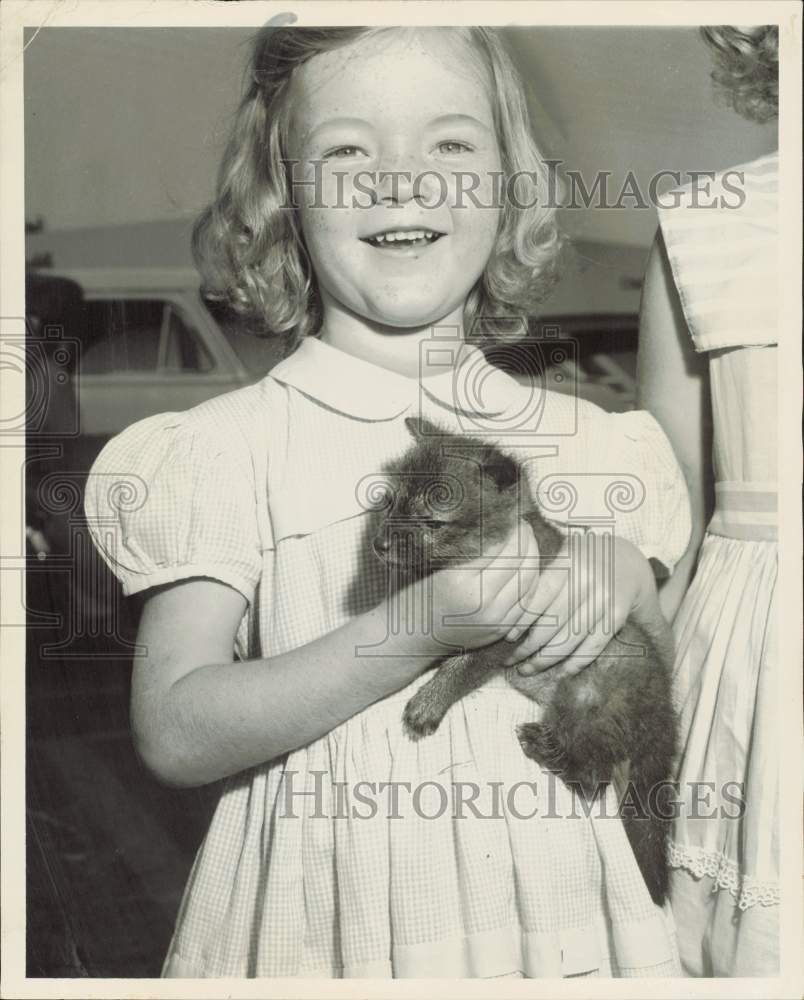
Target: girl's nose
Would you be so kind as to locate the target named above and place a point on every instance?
(396, 182)
(397, 187)
(404, 176)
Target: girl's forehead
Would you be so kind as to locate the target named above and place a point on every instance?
(406, 74)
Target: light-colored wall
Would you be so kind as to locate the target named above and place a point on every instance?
(629, 100)
(127, 124)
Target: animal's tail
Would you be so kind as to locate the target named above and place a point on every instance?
(647, 809)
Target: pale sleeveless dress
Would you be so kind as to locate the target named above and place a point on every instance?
(309, 868)
(725, 889)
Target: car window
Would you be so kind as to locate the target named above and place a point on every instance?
(121, 335)
(184, 350)
(139, 335)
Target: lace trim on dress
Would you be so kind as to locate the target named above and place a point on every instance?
(746, 891)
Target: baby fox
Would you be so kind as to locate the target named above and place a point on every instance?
(454, 494)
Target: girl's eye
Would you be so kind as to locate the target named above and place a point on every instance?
(452, 146)
(342, 153)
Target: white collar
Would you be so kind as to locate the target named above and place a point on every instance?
(468, 384)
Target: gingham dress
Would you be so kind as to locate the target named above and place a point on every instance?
(725, 890)
(266, 490)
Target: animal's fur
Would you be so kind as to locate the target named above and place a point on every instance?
(455, 496)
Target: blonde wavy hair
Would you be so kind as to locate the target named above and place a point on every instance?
(746, 70)
(248, 244)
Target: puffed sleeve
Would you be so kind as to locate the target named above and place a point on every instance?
(168, 499)
(617, 472)
(655, 516)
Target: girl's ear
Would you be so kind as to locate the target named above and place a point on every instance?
(422, 429)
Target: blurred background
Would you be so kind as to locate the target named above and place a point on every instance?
(124, 128)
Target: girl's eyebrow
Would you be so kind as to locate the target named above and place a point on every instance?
(458, 119)
(339, 122)
(351, 122)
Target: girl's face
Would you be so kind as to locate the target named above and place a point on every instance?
(396, 147)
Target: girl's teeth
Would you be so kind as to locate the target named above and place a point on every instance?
(410, 236)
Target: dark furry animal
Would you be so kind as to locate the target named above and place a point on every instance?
(455, 496)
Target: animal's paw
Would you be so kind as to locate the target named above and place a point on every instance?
(538, 742)
(421, 717)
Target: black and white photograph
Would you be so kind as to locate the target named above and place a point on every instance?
(401, 473)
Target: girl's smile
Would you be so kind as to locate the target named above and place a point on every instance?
(389, 135)
(406, 243)
(403, 239)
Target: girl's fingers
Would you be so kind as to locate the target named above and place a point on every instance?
(587, 652)
(581, 624)
(549, 655)
(573, 657)
(508, 600)
(548, 585)
(585, 587)
(535, 603)
(579, 650)
(590, 609)
(551, 623)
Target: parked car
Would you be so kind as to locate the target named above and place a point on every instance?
(104, 348)
(149, 343)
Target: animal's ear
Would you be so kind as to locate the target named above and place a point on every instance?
(422, 429)
(503, 470)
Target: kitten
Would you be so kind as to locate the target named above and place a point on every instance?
(456, 495)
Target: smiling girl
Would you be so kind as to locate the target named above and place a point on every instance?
(270, 660)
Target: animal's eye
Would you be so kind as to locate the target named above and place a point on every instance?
(433, 523)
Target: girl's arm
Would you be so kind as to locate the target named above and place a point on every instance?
(571, 617)
(673, 384)
(197, 715)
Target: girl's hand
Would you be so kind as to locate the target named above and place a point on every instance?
(480, 601)
(582, 607)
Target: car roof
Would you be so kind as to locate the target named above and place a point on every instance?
(136, 279)
(587, 322)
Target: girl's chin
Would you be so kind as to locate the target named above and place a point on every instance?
(392, 314)
(410, 320)
(401, 329)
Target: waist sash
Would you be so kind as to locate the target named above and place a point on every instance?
(748, 511)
